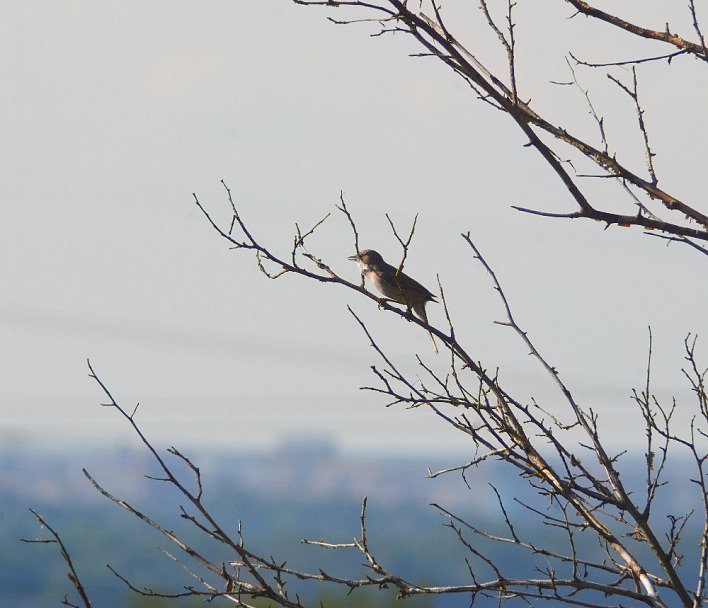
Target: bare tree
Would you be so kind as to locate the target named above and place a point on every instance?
(577, 480)
(425, 22)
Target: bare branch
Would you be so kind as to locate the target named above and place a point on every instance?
(666, 36)
(73, 575)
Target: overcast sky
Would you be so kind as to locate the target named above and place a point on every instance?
(113, 114)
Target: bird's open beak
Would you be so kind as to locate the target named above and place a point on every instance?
(354, 258)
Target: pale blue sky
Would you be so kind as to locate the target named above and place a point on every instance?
(112, 114)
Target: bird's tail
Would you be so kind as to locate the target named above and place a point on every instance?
(420, 311)
(435, 344)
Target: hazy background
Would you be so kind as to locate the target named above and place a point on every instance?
(113, 114)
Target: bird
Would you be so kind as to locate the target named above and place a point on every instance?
(396, 286)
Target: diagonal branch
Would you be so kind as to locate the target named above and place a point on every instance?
(73, 574)
(585, 8)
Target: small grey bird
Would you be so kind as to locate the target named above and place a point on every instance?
(396, 286)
